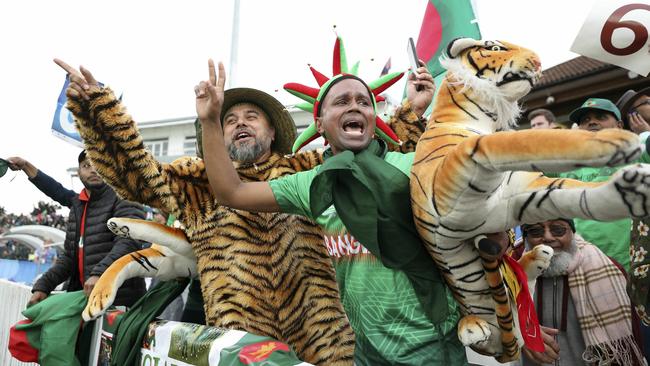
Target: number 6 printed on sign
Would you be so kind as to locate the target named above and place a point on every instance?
(614, 22)
(616, 32)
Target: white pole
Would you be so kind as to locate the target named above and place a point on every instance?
(234, 46)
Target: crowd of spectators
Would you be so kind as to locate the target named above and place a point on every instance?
(43, 214)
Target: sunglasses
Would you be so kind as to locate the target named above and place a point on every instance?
(537, 232)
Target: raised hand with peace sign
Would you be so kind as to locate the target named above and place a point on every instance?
(209, 95)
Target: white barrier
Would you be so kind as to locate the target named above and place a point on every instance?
(14, 300)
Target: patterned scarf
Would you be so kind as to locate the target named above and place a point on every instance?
(598, 291)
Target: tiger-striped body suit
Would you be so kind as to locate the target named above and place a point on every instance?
(264, 273)
(468, 179)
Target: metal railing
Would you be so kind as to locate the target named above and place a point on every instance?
(14, 300)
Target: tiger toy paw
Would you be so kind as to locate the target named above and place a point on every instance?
(632, 185)
(473, 330)
(536, 260)
(100, 299)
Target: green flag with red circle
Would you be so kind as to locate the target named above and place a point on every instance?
(444, 21)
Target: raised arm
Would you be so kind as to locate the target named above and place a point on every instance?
(42, 181)
(115, 147)
(408, 121)
(224, 180)
(408, 126)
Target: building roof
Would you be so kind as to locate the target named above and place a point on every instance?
(167, 122)
(572, 69)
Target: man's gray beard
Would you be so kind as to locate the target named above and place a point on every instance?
(561, 261)
(250, 152)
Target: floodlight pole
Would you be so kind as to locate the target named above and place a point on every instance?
(234, 46)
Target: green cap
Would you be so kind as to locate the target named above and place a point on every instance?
(595, 103)
(3, 167)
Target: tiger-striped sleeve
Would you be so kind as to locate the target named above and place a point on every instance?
(408, 127)
(305, 160)
(114, 145)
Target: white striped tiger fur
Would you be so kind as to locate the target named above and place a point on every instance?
(171, 257)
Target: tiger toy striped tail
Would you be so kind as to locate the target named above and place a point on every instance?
(472, 176)
(171, 257)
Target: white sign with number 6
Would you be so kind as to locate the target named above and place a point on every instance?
(616, 32)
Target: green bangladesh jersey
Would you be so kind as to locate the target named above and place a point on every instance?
(390, 325)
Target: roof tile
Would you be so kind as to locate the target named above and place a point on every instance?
(571, 69)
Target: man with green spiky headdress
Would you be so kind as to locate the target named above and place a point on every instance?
(398, 305)
(314, 96)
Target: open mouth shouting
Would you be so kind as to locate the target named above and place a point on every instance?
(353, 127)
(242, 135)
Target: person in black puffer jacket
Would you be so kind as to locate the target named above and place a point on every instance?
(90, 247)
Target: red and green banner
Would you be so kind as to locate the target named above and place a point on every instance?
(49, 334)
(187, 344)
(444, 21)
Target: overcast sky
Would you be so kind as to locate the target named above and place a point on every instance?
(154, 52)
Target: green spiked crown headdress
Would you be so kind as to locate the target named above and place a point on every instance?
(314, 96)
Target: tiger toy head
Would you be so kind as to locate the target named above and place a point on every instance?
(485, 79)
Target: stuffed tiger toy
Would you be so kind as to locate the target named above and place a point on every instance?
(469, 179)
(264, 273)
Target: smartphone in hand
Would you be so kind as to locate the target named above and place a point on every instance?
(413, 59)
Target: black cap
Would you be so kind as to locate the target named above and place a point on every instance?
(82, 156)
(4, 165)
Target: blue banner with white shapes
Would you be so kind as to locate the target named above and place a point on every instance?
(63, 122)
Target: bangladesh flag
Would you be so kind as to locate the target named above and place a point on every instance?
(49, 334)
(444, 21)
(254, 350)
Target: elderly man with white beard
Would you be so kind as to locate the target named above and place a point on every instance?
(582, 296)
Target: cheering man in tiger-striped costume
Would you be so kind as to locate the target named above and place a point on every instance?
(265, 273)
